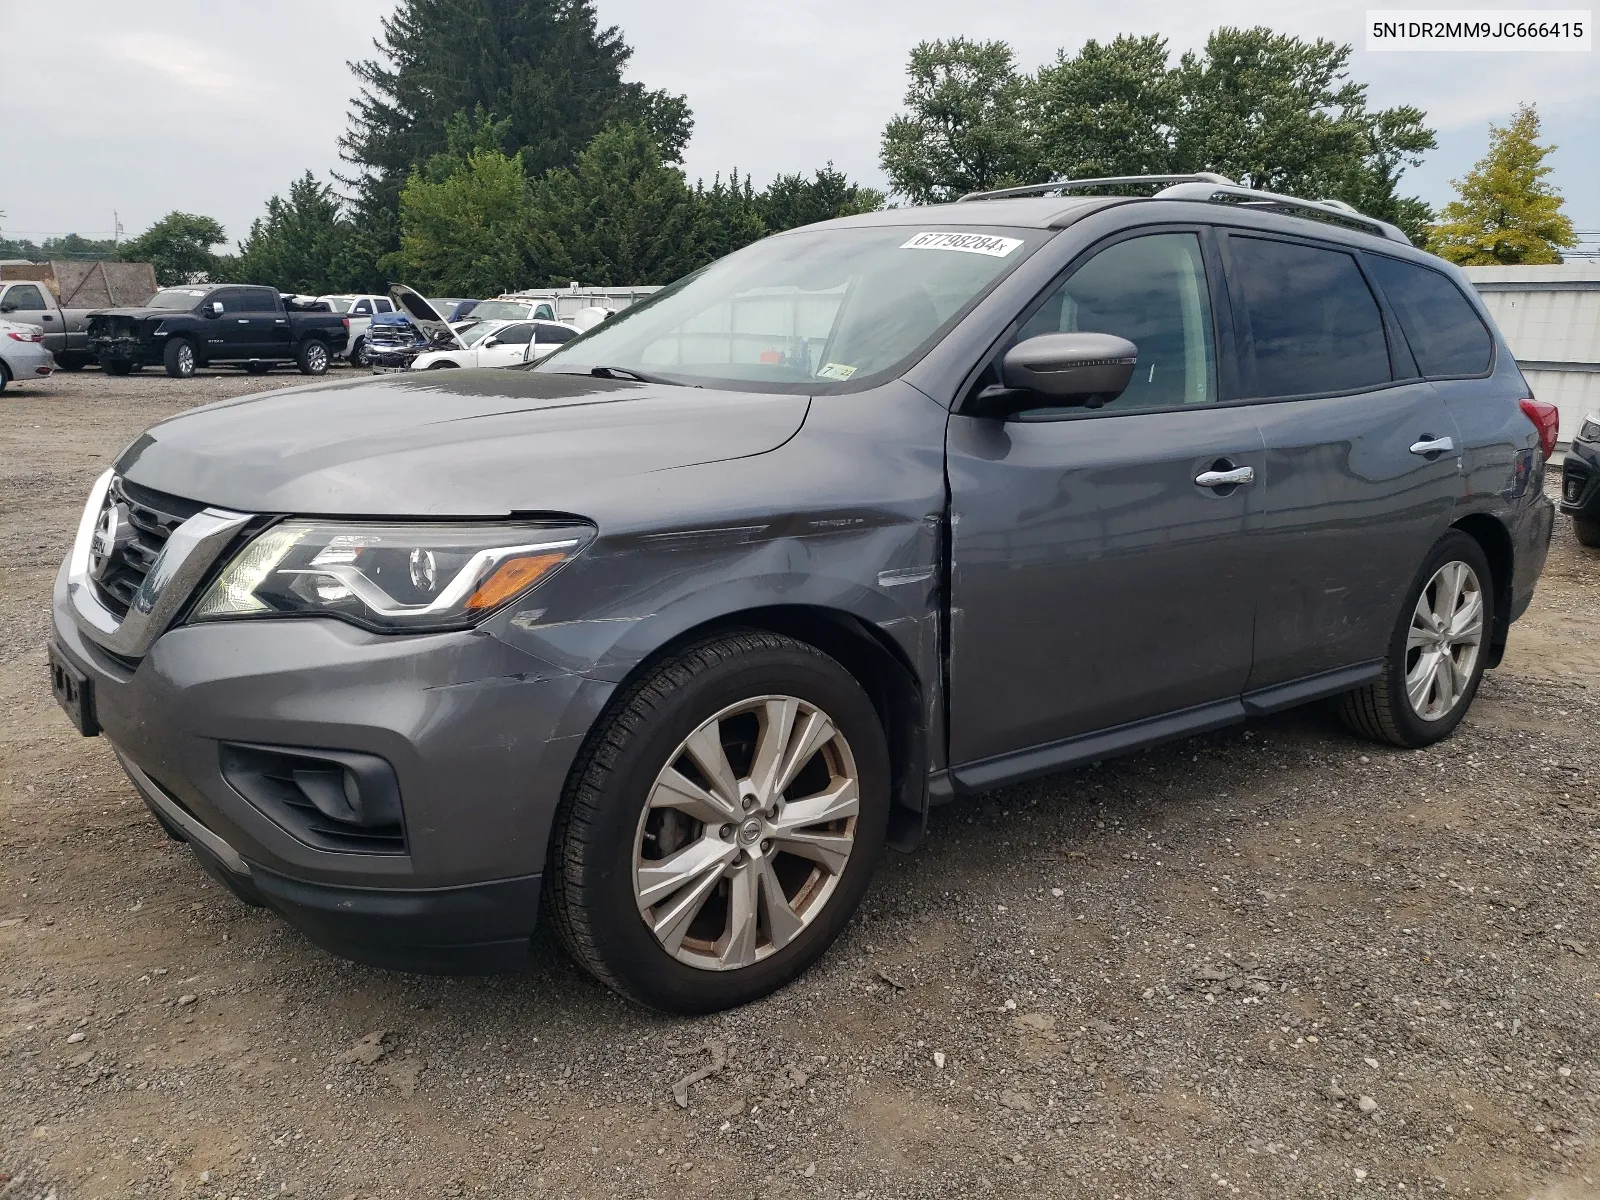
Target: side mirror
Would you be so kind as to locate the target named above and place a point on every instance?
(1060, 369)
(216, 308)
(488, 342)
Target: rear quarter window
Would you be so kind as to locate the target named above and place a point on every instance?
(1445, 332)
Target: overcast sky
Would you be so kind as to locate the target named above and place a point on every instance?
(210, 108)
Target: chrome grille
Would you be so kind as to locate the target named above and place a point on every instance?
(147, 519)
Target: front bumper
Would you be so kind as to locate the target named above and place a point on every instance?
(1580, 481)
(480, 736)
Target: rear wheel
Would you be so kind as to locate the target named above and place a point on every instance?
(358, 353)
(1437, 652)
(179, 358)
(1587, 532)
(721, 824)
(5, 376)
(313, 357)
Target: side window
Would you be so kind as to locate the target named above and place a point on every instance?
(555, 334)
(363, 308)
(229, 298)
(382, 306)
(1314, 324)
(1152, 291)
(515, 335)
(25, 297)
(257, 300)
(1445, 332)
(545, 313)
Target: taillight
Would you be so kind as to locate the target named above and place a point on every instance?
(24, 337)
(1546, 419)
(346, 322)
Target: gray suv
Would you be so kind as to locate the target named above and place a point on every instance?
(671, 633)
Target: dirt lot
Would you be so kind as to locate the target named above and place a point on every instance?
(1270, 962)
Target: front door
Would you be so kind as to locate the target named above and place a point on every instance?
(505, 346)
(25, 302)
(1101, 572)
(1363, 457)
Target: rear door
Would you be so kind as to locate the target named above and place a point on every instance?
(269, 332)
(1098, 578)
(1363, 466)
(548, 337)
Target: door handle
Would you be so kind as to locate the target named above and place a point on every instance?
(1433, 445)
(1231, 478)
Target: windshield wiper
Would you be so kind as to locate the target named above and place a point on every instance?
(630, 373)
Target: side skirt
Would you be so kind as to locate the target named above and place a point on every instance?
(1021, 765)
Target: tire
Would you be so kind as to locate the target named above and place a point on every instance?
(607, 830)
(1386, 711)
(5, 376)
(447, 365)
(358, 353)
(313, 357)
(179, 358)
(116, 366)
(257, 368)
(1587, 532)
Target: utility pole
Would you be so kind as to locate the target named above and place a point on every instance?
(116, 228)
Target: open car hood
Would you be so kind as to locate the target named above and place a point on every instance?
(425, 317)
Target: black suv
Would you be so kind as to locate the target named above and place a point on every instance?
(1580, 482)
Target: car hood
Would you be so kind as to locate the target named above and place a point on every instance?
(451, 443)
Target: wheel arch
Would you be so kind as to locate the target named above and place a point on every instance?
(1495, 541)
(872, 658)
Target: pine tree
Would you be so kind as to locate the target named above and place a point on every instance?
(1505, 213)
(543, 67)
(306, 243)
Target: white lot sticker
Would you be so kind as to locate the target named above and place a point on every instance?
(967, 243)
(836, 371)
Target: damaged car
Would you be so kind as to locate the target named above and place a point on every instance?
(667, 636)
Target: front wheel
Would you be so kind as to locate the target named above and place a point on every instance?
(313, 357)
(721, 824)
(1587, 532)
(1437, 652)
(358, 353)
(179, 358)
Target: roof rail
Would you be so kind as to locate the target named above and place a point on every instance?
(1334, 210)
(1070, 185)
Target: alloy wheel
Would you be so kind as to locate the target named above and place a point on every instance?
(317, 357)
(746, 832)
(185, 359)
(1445, 640)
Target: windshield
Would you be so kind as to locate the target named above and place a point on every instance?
(339, 303)
(806, 310)
(175, 298)
(501, 310)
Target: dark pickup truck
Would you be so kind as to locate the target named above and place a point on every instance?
(187, 327)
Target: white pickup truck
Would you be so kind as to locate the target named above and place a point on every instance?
(65, 329)
(360, 310)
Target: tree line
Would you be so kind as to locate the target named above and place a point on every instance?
(494, 144)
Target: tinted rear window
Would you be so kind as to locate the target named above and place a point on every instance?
(1444, 330)
(1314, 324)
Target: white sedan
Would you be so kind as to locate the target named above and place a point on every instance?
(23, 357)
(498, 344)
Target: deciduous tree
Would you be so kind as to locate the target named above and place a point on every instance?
(178, 246)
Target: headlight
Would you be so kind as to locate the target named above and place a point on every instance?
(396, 576)
(1589, 431)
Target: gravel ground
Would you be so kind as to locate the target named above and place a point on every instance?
(1274, 961)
